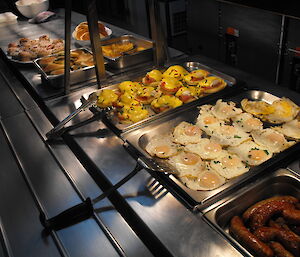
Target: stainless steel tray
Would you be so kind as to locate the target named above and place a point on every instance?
(138, 139)
(132, 57)
(77, 76)
(119, 128)
(278, 182)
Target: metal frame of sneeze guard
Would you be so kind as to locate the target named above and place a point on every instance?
(160, 53)
(92, 19)
(158, 36)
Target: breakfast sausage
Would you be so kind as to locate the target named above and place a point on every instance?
(262, 214)
(248, 213)
(290, 240)
(292, 216)
(246, 238)
(279, 250)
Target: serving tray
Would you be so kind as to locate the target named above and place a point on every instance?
(113, 122)
(276, 183)
(137, 139)
(76, 76)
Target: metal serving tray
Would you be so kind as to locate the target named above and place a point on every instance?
(77, 76)
(131, 57)
(232, 86)
(279, 182)
(137, 140)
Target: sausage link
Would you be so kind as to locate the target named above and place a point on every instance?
(289, 239)
(265, 212)
(292, 216)
(279, 250)
(252, 209)
(247, 239)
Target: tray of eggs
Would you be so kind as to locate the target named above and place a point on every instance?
(219, 145)
(52, 67)
(152, 95)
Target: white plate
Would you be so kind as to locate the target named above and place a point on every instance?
(88, 42)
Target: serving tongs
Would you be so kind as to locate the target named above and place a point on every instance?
(60, 128)
(85, 209)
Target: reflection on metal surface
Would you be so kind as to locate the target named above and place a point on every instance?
(156, 189)
(4, 241)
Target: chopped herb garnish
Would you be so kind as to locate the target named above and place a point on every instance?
(236, 136)
(266, 151)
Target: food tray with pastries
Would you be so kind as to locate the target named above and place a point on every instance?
(25, 50)
(127, 50)
(263, 218)
(218, 145)
(51, 67)
(150, 95)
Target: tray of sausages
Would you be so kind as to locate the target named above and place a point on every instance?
(263, 219)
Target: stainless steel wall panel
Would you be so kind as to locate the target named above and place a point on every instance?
(292, 42)
(259, 33)
(202, 29)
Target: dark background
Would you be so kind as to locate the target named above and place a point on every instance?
(255, 50)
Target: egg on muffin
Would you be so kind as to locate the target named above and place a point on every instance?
(170, 85)
(211, 84)
(130, 114)
(187, 94)
(107, 98)
(195, 76)
(152, 78)
(165, 103)
(175, 71)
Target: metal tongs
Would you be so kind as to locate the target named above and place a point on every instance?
(59, 129)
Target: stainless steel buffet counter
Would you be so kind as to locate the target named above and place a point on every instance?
(141, 219)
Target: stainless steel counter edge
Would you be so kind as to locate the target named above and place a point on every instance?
(54, 191)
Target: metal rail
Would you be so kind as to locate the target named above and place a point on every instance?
(92, 18)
